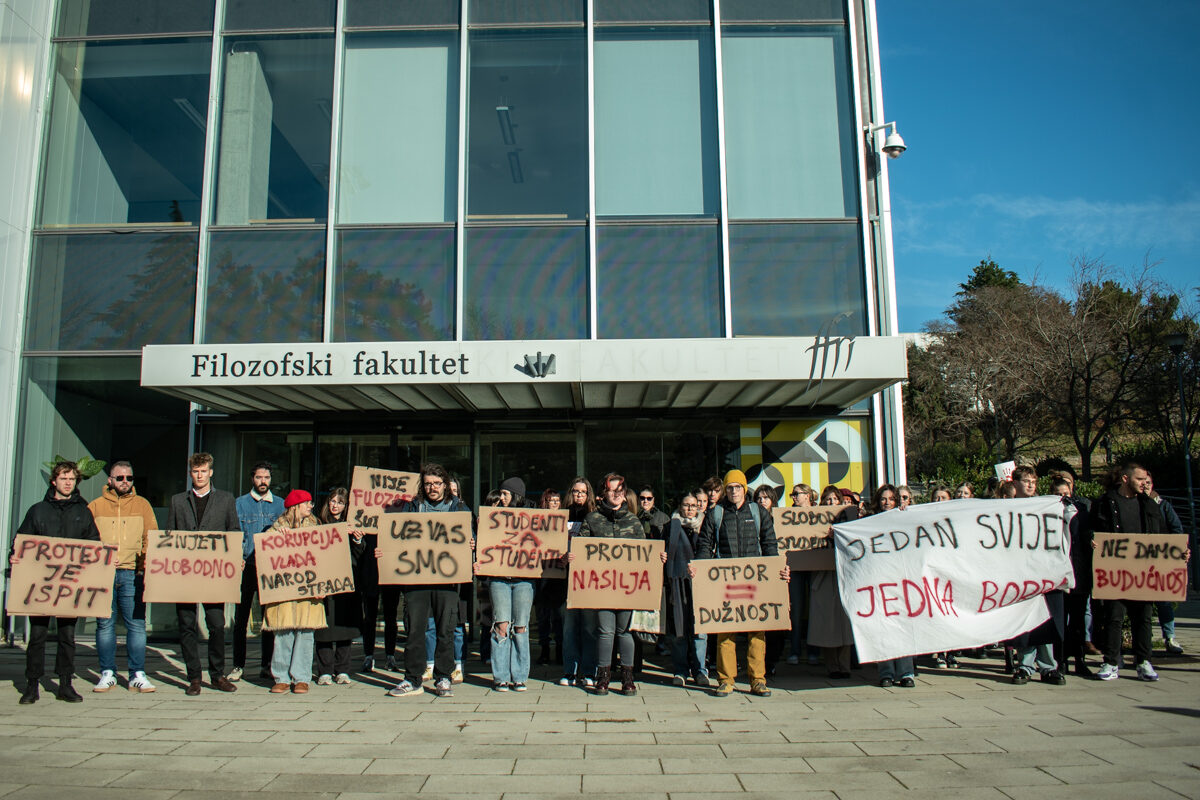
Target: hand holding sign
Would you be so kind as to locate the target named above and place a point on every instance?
(1140, 566)
(432, 547)
(56, 577)
(194, 567)
(375, 493)
(805, 535)
(740, 594)
(304, 563)
(615, 573)
(521, 542)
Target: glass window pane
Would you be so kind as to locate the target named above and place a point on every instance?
(411, 12)
(96, 407)
(394, 286)
(782, 10)
(651, 11)
(133, 17)
(256, 15)
(658, 281)
(265, 286)
(111, 292)
(126, 139)
(656, 124)
(797, 280)
(527, 125)
(526, 283)
(789, 134)
(483, 12)
(406, 83)
(273, 151)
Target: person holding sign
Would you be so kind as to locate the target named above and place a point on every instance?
(125, 520)
(423, 600)
(257, 510)
(344, 611)
(735, 527)
(688, 649)
(203, 508)
(65, 515)
(612, 519)
(1125, 508)
(829, 628)
(294, 621)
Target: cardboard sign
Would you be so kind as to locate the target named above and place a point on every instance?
(951, 575)
(731, 595)
(376, 493)
(303, 563)
(194, 567)
(125, 532)
(521, 542)
(430, 547)
(61, 577)
(1140, 566)
(1004, 470)
(805, 535)
(615, 574)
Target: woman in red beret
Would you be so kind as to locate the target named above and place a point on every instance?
(293, 621)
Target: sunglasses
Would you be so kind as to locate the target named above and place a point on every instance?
(123, 478)
(645, 499)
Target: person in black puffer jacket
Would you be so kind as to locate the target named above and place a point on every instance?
(63, 514)
(612, 519)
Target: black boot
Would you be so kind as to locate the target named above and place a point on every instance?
(30, 695)
(66, 691)
(601, 680)
(628, 687)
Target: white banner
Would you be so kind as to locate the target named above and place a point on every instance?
(951, 575)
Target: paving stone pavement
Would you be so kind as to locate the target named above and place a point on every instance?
(965, 734)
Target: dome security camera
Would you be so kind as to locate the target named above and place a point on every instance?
(894, 145)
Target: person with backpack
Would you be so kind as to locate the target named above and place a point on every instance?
(736, 527)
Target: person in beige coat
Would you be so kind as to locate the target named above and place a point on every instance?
(293, 621)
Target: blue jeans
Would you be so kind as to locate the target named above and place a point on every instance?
(1037, 658)
(687, 655)
(579, 644)
(431, 642)
(127, 601)
(293, 657)
(512, 601)
(1166, 617)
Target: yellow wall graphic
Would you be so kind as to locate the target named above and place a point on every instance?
(813, 451)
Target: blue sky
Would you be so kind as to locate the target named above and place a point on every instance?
(1038, 133)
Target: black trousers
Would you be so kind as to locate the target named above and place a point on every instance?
(1139, 624)
(419, 604)
(1076, 628)
(333, 657)
(388, 597)
(241, 619)
(35, 651)
(189, 638)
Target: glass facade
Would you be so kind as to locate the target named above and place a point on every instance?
(390, 167)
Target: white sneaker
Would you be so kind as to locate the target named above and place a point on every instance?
(404, 689)
(235, 674)
(1108, 672)
(566, 680)
(1173, 647)
(325, 680)
(342, 679)
(140, 683)
(457, 675)
(107, 681)
(428, 676)
(1146, 672)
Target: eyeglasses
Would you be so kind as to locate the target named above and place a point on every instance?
(123, 478)
(797, 494)
(646, 499)
(434, 484)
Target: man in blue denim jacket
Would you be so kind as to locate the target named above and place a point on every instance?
(257, 510)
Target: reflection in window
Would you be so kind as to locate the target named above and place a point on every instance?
(111, 292)
(405, 85)
(265, 286)
(273, 150)
(254, 15)
(656, 124)
(789, 136)
(658, 281)
(526, 283)
(389, 13)
(133, 17)
(651, 11)
(797, 280)
(394, 286)
(527, 125)
(525, 11)
(126, 139)
(77, 406)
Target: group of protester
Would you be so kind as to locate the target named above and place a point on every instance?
(721, 518)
